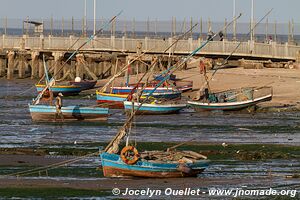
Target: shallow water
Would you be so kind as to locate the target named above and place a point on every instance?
(16, 127)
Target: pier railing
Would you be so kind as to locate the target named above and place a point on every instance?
(151, 45)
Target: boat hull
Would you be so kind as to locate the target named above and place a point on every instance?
(40, 113)
(113, 166)
(154, 109)
(228, 106)
(84, 85)
(127, 90)
(65, 90)
(115, 101)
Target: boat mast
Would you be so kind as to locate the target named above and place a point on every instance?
(113, 146)
(51, 82)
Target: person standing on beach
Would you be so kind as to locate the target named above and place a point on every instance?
(58, 105)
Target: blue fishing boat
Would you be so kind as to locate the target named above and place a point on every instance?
(128, 89)
(47, 113)
(114, 166)
(153, 108)
(115, 101)
(66, 90)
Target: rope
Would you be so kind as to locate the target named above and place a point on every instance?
(52, 166)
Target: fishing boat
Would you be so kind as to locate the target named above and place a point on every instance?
(155, 164)
(84, 84)
(181, 85)
(66, 90)
(108, 100)
(232, 100)
(40, 113)
(115, 101)
(154, 108)
(128, 89)
(152, 165)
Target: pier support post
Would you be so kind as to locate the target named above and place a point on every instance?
(2, 67)
(34, 64)
(106, 69)
(100, 68)
(88, 66)
(58, 56)
(21, 67)
(41, 68)
(11, 64)
(79, 65)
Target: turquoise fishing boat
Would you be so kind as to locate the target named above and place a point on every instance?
(153, 108)
(47, 113)
(115, 101)
(128, 89)
(148, 166)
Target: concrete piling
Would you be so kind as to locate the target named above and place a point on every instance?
(34, 64)
(21, 67)
(11, 64)
(41, 68)
(79, 65)
(58, 57)
(2, 67)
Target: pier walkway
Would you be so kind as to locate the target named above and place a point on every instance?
(272, 50)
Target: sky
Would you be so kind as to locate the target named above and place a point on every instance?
(216, 10)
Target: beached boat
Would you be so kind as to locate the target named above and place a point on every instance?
(153, 108)
(66, 90)
(181, 85)
(232, 100)
(47, 113)
(108, 100)
(148, 165)
(115, 101)
(84, 84)
(128, 89)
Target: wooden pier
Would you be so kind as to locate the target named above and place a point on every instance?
(21, 56)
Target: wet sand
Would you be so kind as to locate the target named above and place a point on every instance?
(122, 183)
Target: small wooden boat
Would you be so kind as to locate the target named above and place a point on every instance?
(66, 90)
(231, 100)
(115, 101)
(108, 100)
(154, 108)
(84, 84)
(128, 89)
(47, 113)
(147, 166)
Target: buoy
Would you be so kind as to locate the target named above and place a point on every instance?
(77, 79)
